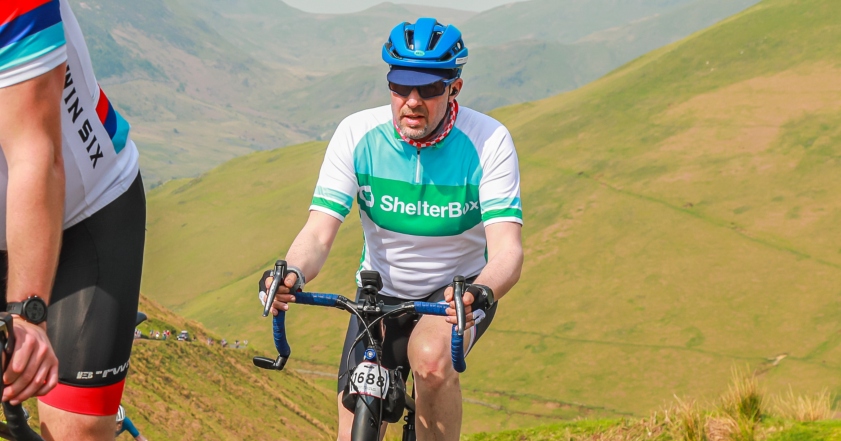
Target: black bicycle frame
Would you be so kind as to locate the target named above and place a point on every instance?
(370, 311)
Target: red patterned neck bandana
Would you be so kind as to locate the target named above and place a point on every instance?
(451, 122)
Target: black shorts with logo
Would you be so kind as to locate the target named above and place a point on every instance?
(93, 306)
(396, 338)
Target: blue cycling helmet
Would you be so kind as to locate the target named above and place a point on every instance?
(426, 44)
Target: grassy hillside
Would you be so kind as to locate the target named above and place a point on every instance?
(679, 219)
(625, 430)
(192, 391)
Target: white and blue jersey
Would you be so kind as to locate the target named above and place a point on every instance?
(100, 159)
(424, 210)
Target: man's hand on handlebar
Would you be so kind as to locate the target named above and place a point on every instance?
(284, 291)
(34, 367)
(451, 310)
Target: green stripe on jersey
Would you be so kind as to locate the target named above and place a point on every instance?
(419, 210)
(501, 204)
(508, 212)
(334, 195)
(340, 209)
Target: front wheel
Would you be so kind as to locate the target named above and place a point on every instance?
(366, 419)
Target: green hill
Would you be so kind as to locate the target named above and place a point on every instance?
(679, 219)
(192, 391)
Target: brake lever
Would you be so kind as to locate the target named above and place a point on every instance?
(458, 296)
(277, 275)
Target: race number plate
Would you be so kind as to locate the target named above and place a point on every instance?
(369, 379)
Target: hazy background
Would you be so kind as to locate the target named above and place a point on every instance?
(341, 7)
(204, 81)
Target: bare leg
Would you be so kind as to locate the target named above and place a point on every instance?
(346, 422)
(59, 425)
(437, 388)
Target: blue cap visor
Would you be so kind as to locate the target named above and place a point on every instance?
(408, 76)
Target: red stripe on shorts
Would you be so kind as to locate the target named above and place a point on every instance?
(99, 401)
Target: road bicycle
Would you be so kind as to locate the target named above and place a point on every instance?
(375, 394)
(16, 428)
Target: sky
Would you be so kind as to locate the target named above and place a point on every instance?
(343, 6)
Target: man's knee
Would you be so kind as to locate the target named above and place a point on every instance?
(431, 366)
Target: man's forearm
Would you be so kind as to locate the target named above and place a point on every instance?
(311, 247)
(30, 135)
(502, 272)
(35, 210)
(307, 254)
(505, 253)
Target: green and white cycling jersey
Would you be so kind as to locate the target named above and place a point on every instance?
(423, 210)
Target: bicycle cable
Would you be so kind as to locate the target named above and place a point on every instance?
(366, 330)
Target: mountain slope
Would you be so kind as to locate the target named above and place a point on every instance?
(513, 72)
(192, 391)
(203, 81)
(558, 21)
(193, 99)
(314, 43)
(679, 220)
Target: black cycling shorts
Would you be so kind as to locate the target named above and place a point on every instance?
(396, 338)
(93, 306)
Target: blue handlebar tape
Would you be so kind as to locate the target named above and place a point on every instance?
(457, 350)
(318, 299)
(279, 329)
(431, 308)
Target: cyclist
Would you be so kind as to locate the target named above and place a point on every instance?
(124, 424)
(72, 224)
(439, 195)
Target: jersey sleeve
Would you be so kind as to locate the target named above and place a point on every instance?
(337, 184)
(499, 189)
(32, 40)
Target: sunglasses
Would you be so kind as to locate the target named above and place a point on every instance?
(426, 91)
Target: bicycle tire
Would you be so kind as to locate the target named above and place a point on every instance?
(365, 425)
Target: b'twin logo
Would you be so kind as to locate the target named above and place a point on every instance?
(393, 204)
(88, 375)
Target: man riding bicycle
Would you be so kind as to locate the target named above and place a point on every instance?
(72, 224)
(439, 195)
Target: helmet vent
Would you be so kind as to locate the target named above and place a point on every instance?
(410, 39)
(434, 40)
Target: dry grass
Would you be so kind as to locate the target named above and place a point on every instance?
(744, 399)
(738, 415)
(688, 423)
(804, 408)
